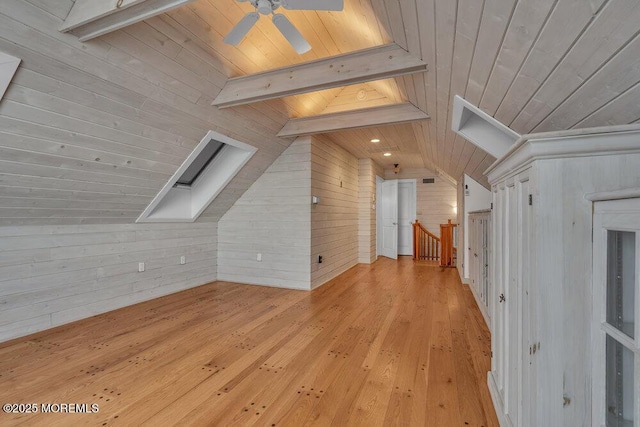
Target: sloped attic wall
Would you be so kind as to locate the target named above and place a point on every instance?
(89, 132)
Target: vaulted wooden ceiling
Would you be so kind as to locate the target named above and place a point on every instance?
(535, 65)
(90, 131)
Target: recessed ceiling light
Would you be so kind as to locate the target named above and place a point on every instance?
(387, 154)
(375, 140)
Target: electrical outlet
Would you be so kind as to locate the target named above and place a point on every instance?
(140, 267)
(183, 260)
(259, 257)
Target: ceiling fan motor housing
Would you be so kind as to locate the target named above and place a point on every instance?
(265, 7)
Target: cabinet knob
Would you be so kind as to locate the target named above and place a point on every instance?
(501, 298)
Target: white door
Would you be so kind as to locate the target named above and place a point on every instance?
(389, 246)
(616, 313)
(406, 215)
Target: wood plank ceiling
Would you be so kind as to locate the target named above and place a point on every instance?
(535, 65)
(90, 131)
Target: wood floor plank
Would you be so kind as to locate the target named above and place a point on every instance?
(391, 343)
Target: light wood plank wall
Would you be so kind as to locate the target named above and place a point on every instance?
(434, 202)
(367, 171)
(89, 132)
(273, 218)
(52, 275)
(334, 221)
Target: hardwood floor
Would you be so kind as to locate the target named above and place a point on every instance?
(388, 344)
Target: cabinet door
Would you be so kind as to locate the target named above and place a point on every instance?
(472, 249)
(527, 345)
(497, 299)
(513, 345)
(616, 314)
(484, 265)
(511, 304)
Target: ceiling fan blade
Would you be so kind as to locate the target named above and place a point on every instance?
(242, 28)
(291, 33)
(313, 4)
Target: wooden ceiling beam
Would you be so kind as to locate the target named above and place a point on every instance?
(92, 18)
(366, 117)
(365, 65)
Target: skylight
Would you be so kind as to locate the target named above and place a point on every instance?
(481, 129)
(200, 163)
(8, 66)
(199, 180)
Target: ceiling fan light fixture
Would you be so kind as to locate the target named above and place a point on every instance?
(264, 7)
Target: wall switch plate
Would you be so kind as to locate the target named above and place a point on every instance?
(259, 257)
(183, 260)
(140, 267)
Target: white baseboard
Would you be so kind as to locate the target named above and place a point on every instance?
(498, 404)
(481, 307)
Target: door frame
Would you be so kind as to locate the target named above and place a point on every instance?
(413, 201)
(392, 203)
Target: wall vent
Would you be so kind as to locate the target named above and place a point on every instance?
(428, 180)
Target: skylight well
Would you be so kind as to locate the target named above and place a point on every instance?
(8, 66)
(481, 129)
(199, 180)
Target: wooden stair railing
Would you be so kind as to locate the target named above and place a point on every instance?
(426, 246)
(449, 251)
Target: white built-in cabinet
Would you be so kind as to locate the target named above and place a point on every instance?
(479, 229)
(616, 312)
(542, 292)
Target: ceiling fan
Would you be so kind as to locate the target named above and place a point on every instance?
(281, 22)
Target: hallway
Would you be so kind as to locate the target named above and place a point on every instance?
(392, 343)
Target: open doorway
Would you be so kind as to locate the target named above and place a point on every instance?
(395, 212)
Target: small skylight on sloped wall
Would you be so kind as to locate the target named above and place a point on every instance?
(199, 180)
(481, 129)
(8, 66)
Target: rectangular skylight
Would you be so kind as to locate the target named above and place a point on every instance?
(8, 66)
(198, 181)
(481, 129)
(200, 163)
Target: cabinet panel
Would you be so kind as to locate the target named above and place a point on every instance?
(528, 347)
(479, 224)
(511, 299)
(499, 317)
(512, 306)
